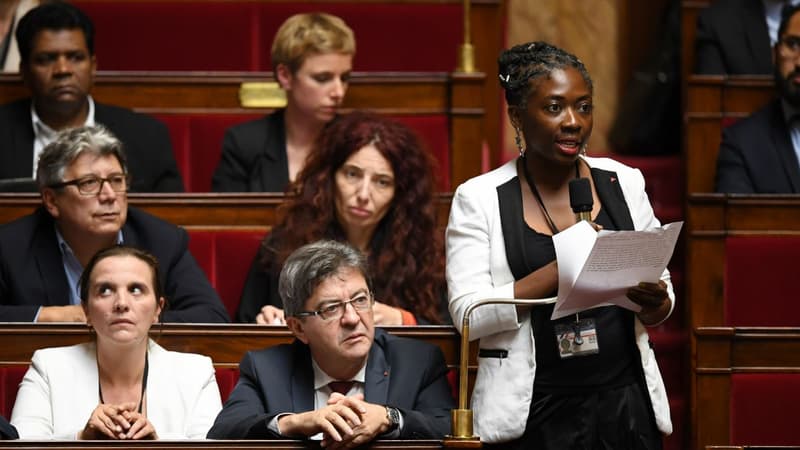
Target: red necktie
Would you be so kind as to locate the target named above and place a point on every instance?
(342, 387)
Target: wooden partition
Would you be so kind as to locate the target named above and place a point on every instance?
(225, 344)
(712, 103)
(714, 217)
(719, 352)
(724, 352)
(457, 97)
(197, 211)
(216, 445)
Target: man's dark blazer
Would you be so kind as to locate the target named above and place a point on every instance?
(32, 272)
(254, 157)
(146, 140)
(732, 38)
(7, 431)
(756, 155)
(407, 374)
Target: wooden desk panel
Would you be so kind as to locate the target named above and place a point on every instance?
(225, 344)
(723, 351)
(198, 211)
(711, 101)
(211, 444)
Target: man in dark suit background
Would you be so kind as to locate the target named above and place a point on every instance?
(83, 180)
(760, 154)
(734, 37)
(57, 64)
(393, 387)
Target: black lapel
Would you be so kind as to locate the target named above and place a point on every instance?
(273, 162)
(509, 196)
(608, 189)
(302, 387)
(757, 34)
(378, 373)
(782, 140)
(49, 261)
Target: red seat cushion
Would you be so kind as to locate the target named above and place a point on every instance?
(237, 35)
(175, 35)
(225, 257)
(10, 378)
(197, 143)
(226, 380)
(759, 273)
(762, 408)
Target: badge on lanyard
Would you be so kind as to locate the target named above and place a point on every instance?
(578, 338)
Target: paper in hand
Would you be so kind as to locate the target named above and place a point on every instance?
(598, 268)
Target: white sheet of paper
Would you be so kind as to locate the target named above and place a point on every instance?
(597, 269)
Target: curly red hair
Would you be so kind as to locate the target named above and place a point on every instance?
(406, 252)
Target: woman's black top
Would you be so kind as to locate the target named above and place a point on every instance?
(613, 366)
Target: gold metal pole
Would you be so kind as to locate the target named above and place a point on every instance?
(462, 417)
(466, 55)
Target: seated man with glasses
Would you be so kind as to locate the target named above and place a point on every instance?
(761, 154)
(341, 380)
(83, 180)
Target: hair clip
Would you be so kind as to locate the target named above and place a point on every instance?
(506, 79)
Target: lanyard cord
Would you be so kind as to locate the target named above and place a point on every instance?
(532, 186)
(144, 384)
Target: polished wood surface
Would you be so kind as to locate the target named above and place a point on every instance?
(210, 444)
(197, 211)
(722, 351)
(719, 351)
(711, 103)
(225, 343)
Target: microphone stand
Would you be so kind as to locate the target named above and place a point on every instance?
(462, 417)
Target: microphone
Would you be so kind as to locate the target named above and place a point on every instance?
(580, 198)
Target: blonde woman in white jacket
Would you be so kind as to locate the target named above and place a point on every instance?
(537, 385)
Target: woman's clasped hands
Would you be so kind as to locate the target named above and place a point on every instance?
(121, 421)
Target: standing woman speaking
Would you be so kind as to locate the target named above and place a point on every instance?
(530, 391)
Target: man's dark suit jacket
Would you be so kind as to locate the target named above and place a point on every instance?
(7, 431)
(146, 140)
(757, 157)
(253, 157)
(407, 374)
(732, 38)
(32, 272)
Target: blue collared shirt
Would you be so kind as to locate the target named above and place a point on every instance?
(73, 268)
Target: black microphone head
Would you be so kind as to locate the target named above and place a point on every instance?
(580, 195)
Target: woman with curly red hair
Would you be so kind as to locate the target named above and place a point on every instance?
(369, 183)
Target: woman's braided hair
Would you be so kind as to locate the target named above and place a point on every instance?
(522, 63)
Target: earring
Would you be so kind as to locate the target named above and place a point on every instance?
(518, 141)
(584, 147)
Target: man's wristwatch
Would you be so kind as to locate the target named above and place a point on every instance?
(393, 415)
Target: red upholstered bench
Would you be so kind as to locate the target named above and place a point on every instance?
(762, 408)
(197, 143)
(759, 274)
(225, 256)
(237, 35)
(11, 377)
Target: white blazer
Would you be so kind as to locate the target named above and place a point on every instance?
(60, 391)
(477, 269)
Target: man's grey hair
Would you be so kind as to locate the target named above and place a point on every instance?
(308, 266)
(69, 145)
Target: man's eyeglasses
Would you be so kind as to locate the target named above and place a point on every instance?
(92, 184)
(335, 310)
(790, 46)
